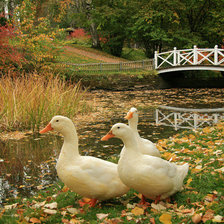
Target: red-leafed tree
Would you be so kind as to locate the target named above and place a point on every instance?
(10, 58)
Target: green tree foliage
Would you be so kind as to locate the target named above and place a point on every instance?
(154, 23)
(113, 18)
(201, 23)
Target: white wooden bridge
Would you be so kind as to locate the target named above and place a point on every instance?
(190, 59)
(188, 118)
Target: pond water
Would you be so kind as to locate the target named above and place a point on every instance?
(28, 165)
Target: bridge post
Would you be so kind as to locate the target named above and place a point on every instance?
(195, 61)
(174, 56)
(155, 60)
(216, 55)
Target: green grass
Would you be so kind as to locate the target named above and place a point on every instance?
(133, 54)
(202, 193)
(70, 57)
(127, 54)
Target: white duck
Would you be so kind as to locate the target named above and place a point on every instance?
(86, 175)
(145, 146)
(153, 177)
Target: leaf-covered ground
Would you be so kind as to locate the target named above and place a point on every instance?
(200, 201)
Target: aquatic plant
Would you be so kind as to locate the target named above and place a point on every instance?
(27, 101)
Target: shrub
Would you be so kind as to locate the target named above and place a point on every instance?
(10, 57)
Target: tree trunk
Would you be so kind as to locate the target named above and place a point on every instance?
(93, 30)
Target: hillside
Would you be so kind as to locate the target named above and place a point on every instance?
(90, 54)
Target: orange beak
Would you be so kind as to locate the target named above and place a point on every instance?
(46, 129)
(129, 115)
(107, 136)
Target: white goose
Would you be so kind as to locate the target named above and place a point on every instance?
(153, 177)
(145, 146)
(86, 175)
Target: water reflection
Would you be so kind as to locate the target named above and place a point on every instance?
(26, 164)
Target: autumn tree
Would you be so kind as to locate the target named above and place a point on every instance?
(11, 59)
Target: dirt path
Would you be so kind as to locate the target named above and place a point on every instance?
(93, 55)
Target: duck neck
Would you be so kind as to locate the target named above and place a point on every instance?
(133, 124)
(69, 149)
(131, 145)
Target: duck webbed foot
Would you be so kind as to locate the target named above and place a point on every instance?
(87, 201)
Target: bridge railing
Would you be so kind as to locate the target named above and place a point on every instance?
(195, 56)
(120, 66)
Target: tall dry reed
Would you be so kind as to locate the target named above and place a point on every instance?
(28, 101)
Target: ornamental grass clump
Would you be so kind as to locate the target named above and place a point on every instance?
(27, 101)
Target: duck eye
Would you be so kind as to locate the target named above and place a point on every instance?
(118, 127)
(57, 120)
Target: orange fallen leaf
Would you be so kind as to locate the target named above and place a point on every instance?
(196, 218)
(188, 182)
(137, 211)
(74, 221)
(152, 220)
(207, 130)
(34, 220)
(65, 189)
(165, 218)
(209, 214)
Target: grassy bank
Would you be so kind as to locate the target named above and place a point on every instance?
(117, 80)
(200, 201)
(30, 100)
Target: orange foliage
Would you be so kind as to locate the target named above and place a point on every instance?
(79, 33)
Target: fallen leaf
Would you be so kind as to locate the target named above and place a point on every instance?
(65, 221)
(158, 207)
(137, 211)
(152, 220)
(74, 221)
(165, 218)
(51, 205)
(50, 211)
(10, 206)
(188, 182)
(38, 204)
(101, 216)
(20, 211)
(34, 220)
(65, 189)
(130, 206)
(207, 130)
(188, 211)
(196, 218)
(209, 214)
(73, 210)
(218, 218)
